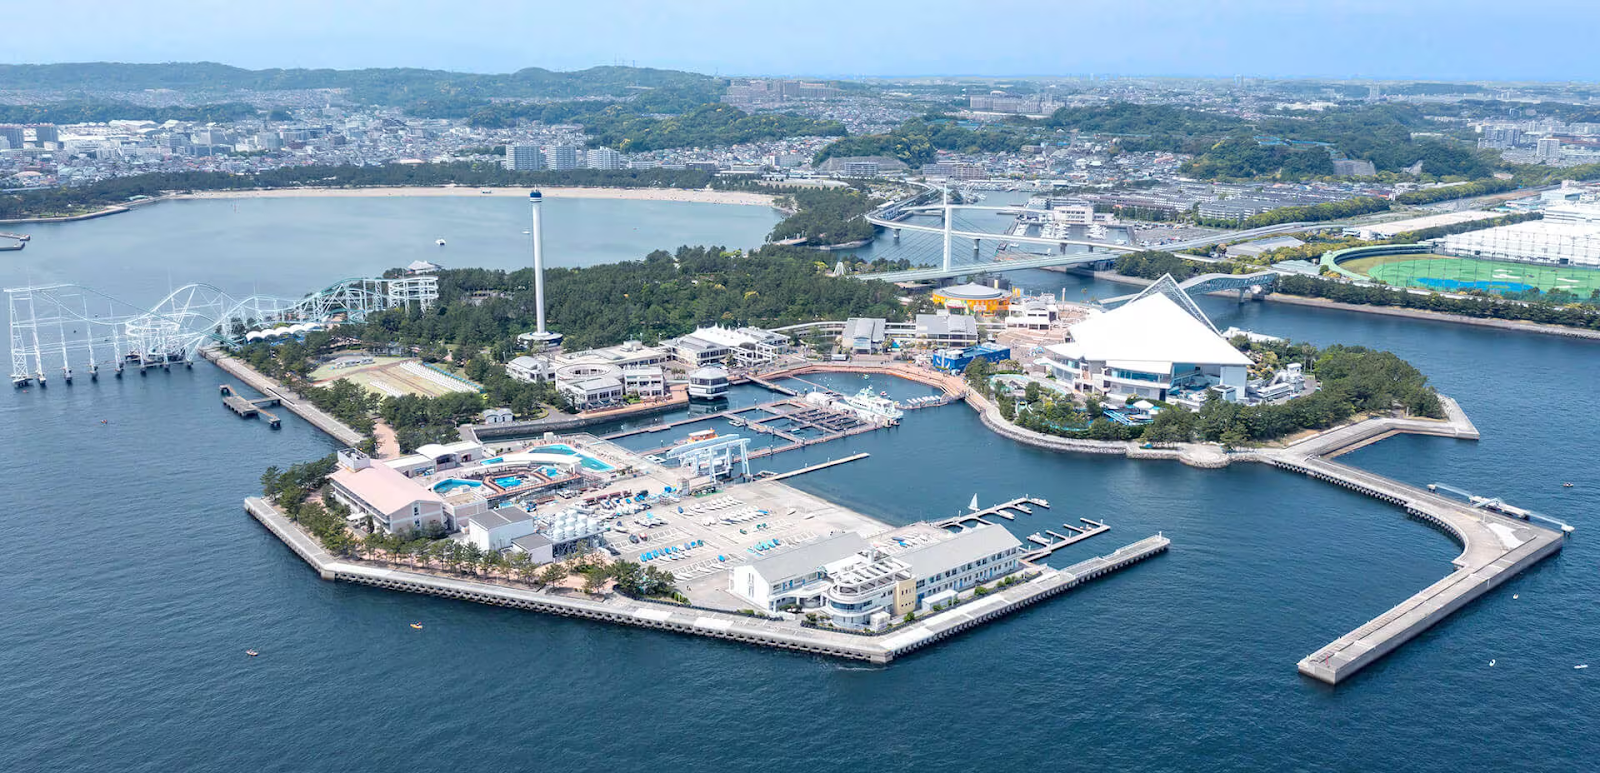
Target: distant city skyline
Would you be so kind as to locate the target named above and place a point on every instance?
(1420, 39)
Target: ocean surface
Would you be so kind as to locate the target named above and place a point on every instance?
(131, 581)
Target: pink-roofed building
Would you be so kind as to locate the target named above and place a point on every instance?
(394, 502)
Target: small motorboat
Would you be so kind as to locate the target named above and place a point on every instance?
(251, 653)
(417, 626)
(1566, 485)
(1581, 666)
(1491, 663)
(440, 242)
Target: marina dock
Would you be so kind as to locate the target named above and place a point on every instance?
(731, 626)
(1018, 505)
(1058, 541)
(797, 423)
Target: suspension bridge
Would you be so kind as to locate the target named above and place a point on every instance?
(56, 328)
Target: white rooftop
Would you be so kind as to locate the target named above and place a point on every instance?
(1151, 333)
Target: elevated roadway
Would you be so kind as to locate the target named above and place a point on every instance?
(1095, 252)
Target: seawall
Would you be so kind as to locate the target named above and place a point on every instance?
(730, 626)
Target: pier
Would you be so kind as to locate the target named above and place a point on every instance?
(1020, 505)
(730, 626)
(1059, 541)
(249, 409)
(1494, 546)
(286, 398)
(815, 467)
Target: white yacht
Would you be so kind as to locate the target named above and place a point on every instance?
(872, 407)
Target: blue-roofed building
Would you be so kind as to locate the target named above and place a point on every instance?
(957, 360)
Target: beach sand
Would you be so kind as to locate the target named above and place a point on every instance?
(639, 194)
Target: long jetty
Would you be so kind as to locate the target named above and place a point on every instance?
(287, 398)
(1494, 546)
(781, 634)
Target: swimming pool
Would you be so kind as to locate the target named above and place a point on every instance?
(588, 461)
(451, 484)
(510, 481)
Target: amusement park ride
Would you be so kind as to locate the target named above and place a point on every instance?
(63, 326)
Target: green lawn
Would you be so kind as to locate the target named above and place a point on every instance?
(1440, 272)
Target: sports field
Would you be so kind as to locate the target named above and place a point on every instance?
(392, 377)
(1442, 272)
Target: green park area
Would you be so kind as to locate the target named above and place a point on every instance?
(1445, 273)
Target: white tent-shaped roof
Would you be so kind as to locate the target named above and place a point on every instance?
(1150, 335)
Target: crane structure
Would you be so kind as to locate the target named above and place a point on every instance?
(54, 328)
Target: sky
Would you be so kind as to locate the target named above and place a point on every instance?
(1419, 39)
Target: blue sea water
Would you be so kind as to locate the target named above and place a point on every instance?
(132, 582)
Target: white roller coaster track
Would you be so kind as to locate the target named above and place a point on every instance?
(69, 325)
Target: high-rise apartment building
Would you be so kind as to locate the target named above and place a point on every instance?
(605, 158)
(524, 158)
(561, 158)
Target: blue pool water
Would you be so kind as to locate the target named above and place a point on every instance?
(451, 484)
(510, 481)
(588, 461)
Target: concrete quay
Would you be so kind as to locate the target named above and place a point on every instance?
(781, 634)
(285, 397)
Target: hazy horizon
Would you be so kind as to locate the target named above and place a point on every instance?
(1467, 40)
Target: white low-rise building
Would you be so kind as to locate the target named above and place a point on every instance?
(1031, 314)
(496, 529)
(648, 382)
(437, 457)
(744, 347)
(595, 392)
(708, 384)
(394, 503)
(859, 586)
(794, 576)
(533, 370)
(1150, 348)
